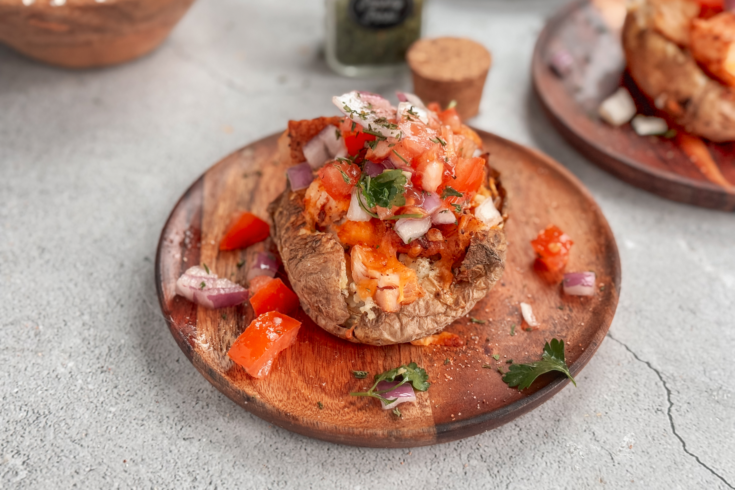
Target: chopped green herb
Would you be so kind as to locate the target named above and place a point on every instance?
(457, 208)
(320, 405)
(438, 141)
(397, 412)
(353, 126)
(512, 330)
(372, 144)
(240, 264)
(345, 177)
(337, 134)
(602, 288)
(360, 374)
(399, 156)
(203, 285)
(379, 136)
(561, 307)
(509, 361)
(452, 104)
(400, 216)
(671, 133)
(475, 320)
(446, 361)
(500, 370)
(487, 366)
(385, 190)
(224, 316)
(523, 375)
(408, 374)
(448, 191)
(496, 357)
(205, 268)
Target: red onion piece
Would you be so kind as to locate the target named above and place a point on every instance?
(443, 217)
(431, 202)
(528, 315)
(562, 62)
(488, 213)
(402, 394)
(373, 169)
(410, 229)
(580, 283)
(387, 164)
(333, 140)
(401, 97)
(315, 152)
(208, 290)
(356, 212)
(265, 265)
(368, 110)
(300, 176)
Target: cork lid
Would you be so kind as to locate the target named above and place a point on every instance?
(448, 59)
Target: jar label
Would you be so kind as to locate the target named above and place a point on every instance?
(380, 14)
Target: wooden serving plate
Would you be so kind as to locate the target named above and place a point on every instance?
(87, 33)
(464, 398)
(591, 31)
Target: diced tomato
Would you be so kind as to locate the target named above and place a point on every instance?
(450, 118)
(339, 178)
(355, 138)
(244, 231)
(710, 8)
(260, 343)
(552, 246)
(258, 283)
(274, 296)
(469, 174)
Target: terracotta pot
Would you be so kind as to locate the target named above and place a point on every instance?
(87, 33)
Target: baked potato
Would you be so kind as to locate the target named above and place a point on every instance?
(665, 41)
(357, 273)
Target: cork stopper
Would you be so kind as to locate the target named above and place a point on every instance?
(450, 68)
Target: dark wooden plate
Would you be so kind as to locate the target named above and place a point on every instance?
(590, 31)
(464, 398)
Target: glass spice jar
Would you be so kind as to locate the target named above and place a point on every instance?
(370, 37)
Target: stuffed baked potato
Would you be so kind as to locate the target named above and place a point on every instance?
(684, 61)
(401, 231)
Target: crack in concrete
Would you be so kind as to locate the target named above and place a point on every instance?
(669, 415)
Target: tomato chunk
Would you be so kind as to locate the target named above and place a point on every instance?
(274, 296)
(339, 178)
(244, 231)
(355, 141)
(260, 343)
(552, 246)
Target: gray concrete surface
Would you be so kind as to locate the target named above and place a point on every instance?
(96, 394)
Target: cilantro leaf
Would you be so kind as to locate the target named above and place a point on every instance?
(397, 413)
(386, 190)
(360, 374)
(411, 373)
(448, 191)
(523, 375)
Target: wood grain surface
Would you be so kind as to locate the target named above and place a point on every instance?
(87, 33)
(590, 31)
(464, 398)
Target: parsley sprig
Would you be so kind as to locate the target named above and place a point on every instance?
(523, 375)
(408, 374)
(450, 191)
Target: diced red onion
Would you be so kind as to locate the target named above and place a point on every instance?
(208, 290)
(387, 164)
(431, 202)
(300, 176)
(562, 62)
(443, 217)
(368, 110)
(580, 283)
(373, 169)
(410, 229)
(265, 265)
(528, 315)
(356, 213)
(315, 152)
(488, 213)
(408, 111)
(402, 394)
(401, 97)
(335, 145)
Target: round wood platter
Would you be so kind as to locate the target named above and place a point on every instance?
(590, 30)
(308, 388)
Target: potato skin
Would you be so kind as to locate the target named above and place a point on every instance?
(317, 268)
(666, 73)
